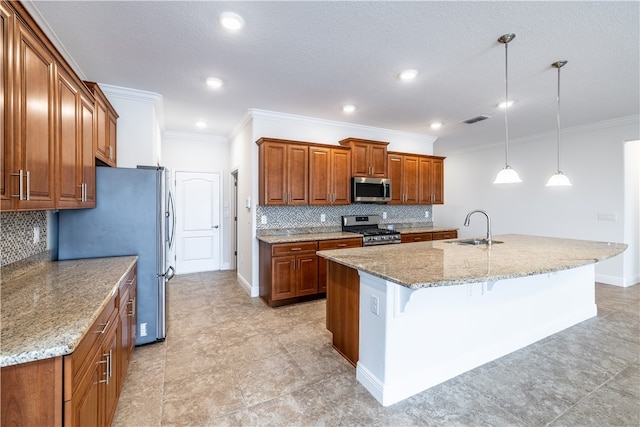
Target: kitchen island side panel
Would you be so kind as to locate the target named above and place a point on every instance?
(423, 337)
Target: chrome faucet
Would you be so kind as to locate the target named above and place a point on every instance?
(468, 220)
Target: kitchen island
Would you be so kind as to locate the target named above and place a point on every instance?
(414, 315)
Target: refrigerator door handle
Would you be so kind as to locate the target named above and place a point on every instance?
(168, 275)
(171, 213)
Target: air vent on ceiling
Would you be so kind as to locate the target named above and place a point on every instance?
(475, 119)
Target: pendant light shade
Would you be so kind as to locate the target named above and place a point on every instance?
(507, 175)
(558, 179)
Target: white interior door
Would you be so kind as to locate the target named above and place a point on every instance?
(198, 222)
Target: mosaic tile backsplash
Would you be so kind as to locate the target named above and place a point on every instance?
(309, 217)
(16, 235)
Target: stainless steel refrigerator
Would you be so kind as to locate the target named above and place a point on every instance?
(134, 215)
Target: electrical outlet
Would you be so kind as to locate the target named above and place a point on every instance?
(36, 235)
(384, 215)
(605, 216)
(263, 219)
(323, 217)
(375, 305)
(426, 214)
(143, 329)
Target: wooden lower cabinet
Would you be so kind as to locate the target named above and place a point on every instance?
(288, 272)
(443, 235)
(81, 388)
(325, 245)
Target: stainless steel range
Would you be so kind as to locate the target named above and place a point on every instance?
(369, 227)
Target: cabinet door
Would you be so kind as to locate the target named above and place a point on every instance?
(283, 277)
(410, 181)
(395, 174)
(109, 381)
(298, 174)
(6, 106)
(319, 176)
(307, 275)
(341, 176)
(273, 161)
(437, 181)
(112, 129)
(84, 408)
(378, 160)
(360, 159)
(70, 189)
(34, 130)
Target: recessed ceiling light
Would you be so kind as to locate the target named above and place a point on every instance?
(214, 83)
(407, 75)
(436, 125)
(201, 125)
(349, 108)
(503, 103)
(231, 21)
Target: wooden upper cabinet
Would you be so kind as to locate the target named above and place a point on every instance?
(33, 171)
(74, 143)
(283, 172)
(105, 122)
(329, 176)
(405, 183)
(431, 180)
(6, 109)
(368, 158)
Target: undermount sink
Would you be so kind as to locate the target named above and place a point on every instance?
(472, 242)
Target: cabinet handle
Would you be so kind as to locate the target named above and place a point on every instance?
(106, 325)
(110, 152)
(28, 186)
(342, 245)
(110, 364)
(20, 185)
(295, 249)
(106, 369)
(132, 313)
(84, 191)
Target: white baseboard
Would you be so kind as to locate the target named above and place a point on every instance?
(617, 281)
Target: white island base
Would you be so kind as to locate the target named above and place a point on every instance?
(411, 340)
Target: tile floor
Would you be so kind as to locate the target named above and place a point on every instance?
(230, 360)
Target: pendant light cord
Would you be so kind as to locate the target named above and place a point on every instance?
(506, 104)
(558, 116)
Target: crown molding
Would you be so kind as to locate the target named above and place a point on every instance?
(305, 120)
(137, 95)
(605, 124)
(194, 137)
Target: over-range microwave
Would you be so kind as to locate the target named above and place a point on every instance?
(370, 190)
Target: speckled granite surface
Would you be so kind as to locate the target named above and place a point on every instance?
(295, 236)
(303, 237)
(437, 263)
(48, 309)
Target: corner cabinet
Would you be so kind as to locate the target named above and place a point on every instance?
(105, 124)
(329, 176)
(368, 158)
(431, 181)
(283, 172)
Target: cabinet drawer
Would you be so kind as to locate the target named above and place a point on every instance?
(76, 362)
(325, 245)
(125, 286)
(416, 237)
(442, 235)
(293, 248)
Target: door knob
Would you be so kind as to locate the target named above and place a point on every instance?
(215, 226)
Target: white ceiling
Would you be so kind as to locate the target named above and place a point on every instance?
(310, 58)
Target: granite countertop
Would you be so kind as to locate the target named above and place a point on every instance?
(303, 237)
(428, 229)
(47, 310)
(293, 236)
(438, 263)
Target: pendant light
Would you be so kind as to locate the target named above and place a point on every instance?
(558, 179)
(506, 175)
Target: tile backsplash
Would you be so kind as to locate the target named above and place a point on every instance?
(309, 217)
(16, 235)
